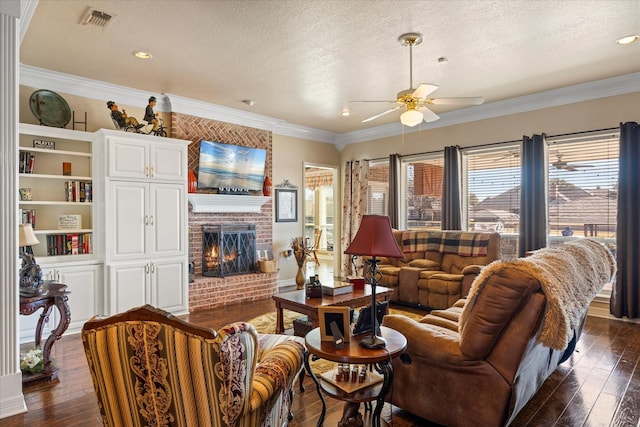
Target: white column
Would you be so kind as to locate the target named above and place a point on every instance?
(11, 398)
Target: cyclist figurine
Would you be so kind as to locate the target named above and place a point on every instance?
(121, 118)
(150, 116)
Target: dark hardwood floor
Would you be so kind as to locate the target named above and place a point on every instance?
(598, 386)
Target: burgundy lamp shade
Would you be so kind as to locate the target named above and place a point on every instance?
(375, 238)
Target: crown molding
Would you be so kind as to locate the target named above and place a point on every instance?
(613, 86)
(80, 86)
(27, 9)
(194, 107)
(88, 88)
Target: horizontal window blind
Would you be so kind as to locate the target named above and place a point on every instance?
(583, 187)
(421, 191)
(378, 193)
(491, 193)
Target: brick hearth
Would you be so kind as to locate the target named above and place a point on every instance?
(211, 292)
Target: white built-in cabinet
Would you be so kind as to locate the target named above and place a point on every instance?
(44, 197)
(145, 221)
(85, 297)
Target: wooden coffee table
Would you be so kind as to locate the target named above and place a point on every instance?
(298, 302)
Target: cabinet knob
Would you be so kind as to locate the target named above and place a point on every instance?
(146, 171)
(151, 220)
(152, 171)
(153, 268)
(146, 268)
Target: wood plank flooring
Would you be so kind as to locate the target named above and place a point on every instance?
(598, 386)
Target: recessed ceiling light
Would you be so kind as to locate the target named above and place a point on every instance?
(627, 39)
(142, 55)
(249, 102)
(346, 113)
(443, 60)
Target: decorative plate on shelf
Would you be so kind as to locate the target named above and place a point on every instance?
(50, 108)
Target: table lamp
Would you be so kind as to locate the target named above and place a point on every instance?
(30, 273)
(374, 238)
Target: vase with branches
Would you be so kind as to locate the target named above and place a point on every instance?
(302, 251)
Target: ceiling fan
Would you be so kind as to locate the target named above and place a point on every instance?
(560, 164)
(415, 100)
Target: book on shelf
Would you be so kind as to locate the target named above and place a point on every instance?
(78, 191)
(27, 161)
(337, 288)
(28, 216)
(69, 244)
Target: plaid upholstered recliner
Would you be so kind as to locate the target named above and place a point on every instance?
(151, 368)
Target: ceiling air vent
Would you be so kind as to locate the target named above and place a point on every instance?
(95, 18)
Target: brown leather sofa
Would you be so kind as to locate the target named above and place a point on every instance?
(438, 266)
(480, 361)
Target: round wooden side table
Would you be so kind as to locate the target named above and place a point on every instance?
(353, 353)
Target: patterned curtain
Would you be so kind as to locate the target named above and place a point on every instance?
(533, 197)
(394, 190)
(356, 177)
(451, 205)
(625, 296)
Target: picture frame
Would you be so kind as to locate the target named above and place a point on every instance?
(340, 315)
(286, 205)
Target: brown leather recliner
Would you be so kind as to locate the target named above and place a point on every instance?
(478, 362)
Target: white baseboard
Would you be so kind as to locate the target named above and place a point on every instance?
(11, 397)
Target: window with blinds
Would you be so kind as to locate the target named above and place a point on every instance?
(421, 191)
(583, 187)
(378, 194)
(491, 193)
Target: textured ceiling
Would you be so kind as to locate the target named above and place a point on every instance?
(303, 61)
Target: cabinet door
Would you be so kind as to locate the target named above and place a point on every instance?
(167, 219)
(127, 220)
(168, 161)
(128, 286)
(84, 285)
(169, 285)
(127, 159)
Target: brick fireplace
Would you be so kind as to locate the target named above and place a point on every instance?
(210, 292)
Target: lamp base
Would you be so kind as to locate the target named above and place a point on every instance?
(373, 342)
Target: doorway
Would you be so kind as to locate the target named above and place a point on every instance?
(321, 205)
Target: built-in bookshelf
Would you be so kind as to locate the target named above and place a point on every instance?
(55, 185)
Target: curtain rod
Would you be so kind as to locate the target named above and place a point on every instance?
(500, 143)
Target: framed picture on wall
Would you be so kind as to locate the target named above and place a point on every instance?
(286, 205)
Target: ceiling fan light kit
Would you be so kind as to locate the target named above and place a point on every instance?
(414, 100)
(411, 118)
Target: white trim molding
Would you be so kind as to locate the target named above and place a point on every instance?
(80, 86)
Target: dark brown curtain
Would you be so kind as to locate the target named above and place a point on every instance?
(394, 190)
(533, 197)
(451, 205)
(625, 296)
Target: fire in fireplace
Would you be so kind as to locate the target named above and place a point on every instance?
(228, 250)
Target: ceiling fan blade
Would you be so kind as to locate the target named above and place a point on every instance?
(423, 90)
(387, 101)
(477, 100)
(429, 116)
(381, 114)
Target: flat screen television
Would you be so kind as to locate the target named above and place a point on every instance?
(230, 168)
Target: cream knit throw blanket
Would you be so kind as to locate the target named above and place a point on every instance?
(570, 276)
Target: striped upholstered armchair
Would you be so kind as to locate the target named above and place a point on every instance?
(151, 368)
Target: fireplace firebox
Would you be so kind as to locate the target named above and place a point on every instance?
(228, 250)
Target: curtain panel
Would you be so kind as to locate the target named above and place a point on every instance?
(625, 295)
(451, 194)
(533, 195)
(394, 190)
(356, 178)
